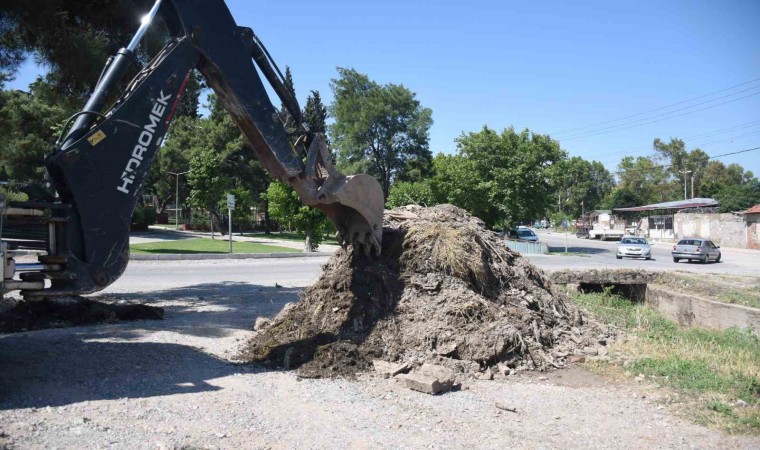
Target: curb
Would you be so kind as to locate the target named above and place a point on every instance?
(211, 256)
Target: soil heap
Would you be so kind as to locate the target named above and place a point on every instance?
(444, 290)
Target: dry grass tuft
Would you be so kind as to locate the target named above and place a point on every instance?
(456, 251)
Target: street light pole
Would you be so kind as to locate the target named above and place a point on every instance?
(176, 197)
(684, 172)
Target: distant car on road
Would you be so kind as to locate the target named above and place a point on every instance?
(634, 247)
(523, 234)
(696, 249)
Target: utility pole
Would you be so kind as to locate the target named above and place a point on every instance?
(692, 185)
(684, 172)
(176, 197)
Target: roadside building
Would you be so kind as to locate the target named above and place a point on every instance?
(752, 219)
(657, 221)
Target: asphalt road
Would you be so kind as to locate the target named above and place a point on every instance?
(593, 254)
(162, 275)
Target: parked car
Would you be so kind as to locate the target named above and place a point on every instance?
(696, 249)
(523, 234)
(634, 247)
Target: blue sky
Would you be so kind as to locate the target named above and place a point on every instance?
(549, 66)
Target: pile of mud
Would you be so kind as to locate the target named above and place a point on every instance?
(71, 312)
(445, 290)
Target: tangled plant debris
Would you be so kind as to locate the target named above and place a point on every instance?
(444, 291)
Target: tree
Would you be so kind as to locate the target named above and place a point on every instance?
(738, 197)
(643, 176)
(500, 177)
(315, 114)
(577, 181)
(379, 129)
(74, 38)
(622, 197)
(406, 193)
(285, 207)
(207, 184)
(29, 124)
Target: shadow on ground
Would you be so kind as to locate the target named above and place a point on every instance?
(62, 366)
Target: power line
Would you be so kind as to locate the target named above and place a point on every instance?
(661, 166)
(635, 124)
(660, 108)
(615, 155)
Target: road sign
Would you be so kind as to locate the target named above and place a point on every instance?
(230, 201)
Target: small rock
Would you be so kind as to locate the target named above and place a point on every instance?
(590, 351)
(487, 375)
(576, 359)
(602, 351)
(741, 403)
(422, 383)
(261, 323)
(575, 330)
(388, 369)
(503, 369)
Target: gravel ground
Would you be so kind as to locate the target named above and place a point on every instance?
(172, 383)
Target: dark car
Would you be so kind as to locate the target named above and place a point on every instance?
(696, 249)
(523, 234)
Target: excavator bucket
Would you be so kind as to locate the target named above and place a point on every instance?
(355, 204)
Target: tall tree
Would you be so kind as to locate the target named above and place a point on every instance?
(72, 37)
(500, 177)
(379, 129)
(577, 181)
(29, 124)
(315, 114)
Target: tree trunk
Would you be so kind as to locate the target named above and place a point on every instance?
(307, 247)
(216, 221)
(266, 217)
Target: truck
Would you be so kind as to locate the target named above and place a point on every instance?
(605, 226)
(80, 221)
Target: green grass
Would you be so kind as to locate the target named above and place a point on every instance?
(288, 236)
(714, 368)
(203, 245)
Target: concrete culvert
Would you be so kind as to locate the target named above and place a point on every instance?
(445, 291)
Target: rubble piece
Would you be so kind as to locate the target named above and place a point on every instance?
(430, 379)
(388, 369)
(261, 323)
(423, 383)
(486, 375)
(444, 290)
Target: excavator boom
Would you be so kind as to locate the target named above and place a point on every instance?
(100, 165)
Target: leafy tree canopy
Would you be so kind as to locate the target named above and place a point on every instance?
(379, 129)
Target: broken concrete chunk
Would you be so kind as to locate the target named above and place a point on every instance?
(487, 375)
(424, 383)
(602, 351)
(443, 374)
(591, 351)
(388, 369)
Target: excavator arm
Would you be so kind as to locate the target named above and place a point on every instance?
(100, 165)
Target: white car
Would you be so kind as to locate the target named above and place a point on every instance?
(634, 247)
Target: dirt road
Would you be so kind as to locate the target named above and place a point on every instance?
(171, 383)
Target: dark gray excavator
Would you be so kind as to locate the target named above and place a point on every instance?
(100, 164)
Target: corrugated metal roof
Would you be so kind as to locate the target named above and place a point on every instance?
(754, 210)
(678, 204)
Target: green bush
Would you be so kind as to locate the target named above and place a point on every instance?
(143, 216)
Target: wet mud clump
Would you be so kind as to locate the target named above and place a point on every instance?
(445, 290)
